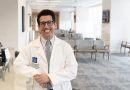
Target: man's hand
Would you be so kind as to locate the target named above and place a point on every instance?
(42, 79)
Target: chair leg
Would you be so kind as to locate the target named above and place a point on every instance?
(103, 55)
(91, 55)
(95, 56)
(129, 52)
(124, 50)
(120, 49)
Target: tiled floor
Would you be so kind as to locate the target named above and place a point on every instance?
(103, 74)
(92, 75)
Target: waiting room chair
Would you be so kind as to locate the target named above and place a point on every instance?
(123, 45)
(100, 47)
(72, 44)
(85, 46)
(127, 46)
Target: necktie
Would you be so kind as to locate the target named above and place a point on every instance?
(48, 50)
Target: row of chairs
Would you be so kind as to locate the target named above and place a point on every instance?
(72, 36)
(125, 45)
(89, 46)
(68, 36)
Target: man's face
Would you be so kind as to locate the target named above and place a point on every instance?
(46, 26)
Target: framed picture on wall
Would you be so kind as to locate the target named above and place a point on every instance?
(106, 16)
(23, 18)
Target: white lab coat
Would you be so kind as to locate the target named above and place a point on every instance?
(63, 65)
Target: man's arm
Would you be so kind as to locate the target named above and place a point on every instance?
(67, 73)
(21, 64)
(42, 79)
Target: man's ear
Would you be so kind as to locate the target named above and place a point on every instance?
(38, 26)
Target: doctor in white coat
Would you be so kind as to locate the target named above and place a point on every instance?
(32, 61)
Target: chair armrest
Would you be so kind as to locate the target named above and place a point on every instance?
(75, 47)
(106, 46)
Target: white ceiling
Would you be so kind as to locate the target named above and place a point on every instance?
(59, 5)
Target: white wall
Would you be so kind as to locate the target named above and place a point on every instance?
(89, 21)
(120, 23)
(82, 21)
(65, 20)
(9, 23)
(23, 37)
(11, 34)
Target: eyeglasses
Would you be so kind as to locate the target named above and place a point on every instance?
(49, 23)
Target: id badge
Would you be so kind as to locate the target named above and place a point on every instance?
(34, 59)
(35, 63)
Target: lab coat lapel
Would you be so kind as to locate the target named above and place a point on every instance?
(57, 41)
(40, 50)
(42, 53)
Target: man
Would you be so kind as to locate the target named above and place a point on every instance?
(49, 73)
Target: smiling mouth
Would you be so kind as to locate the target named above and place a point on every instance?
(47, 30)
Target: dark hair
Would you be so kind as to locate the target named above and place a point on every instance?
(45, 12)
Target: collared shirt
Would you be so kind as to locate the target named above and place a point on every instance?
(43, 41)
